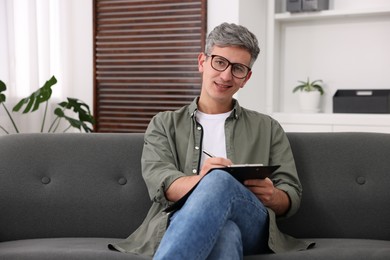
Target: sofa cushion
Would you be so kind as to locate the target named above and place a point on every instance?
(71, 185)
(62, 248)
(342, 249)
(345, 179)
(96, 248)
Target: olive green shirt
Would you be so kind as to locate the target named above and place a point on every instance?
(172, 149)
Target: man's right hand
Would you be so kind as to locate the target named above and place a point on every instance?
(184, 184)
(215, 162)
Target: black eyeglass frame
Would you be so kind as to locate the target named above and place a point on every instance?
(228, 64)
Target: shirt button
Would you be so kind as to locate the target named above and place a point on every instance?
(199, 128)
(194, 171)
(196, 147)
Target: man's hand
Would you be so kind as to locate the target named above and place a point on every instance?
(182, 185)
(271, 197)
(216, 162)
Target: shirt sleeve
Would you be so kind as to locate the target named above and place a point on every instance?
(286, 177)
(159, 161)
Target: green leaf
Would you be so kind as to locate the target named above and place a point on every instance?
(2, 98)
(297, 88)
(78, 124)
(40, 96)
(58, 112)
(3, 88)
(309, 86)
(80, 108)
(83, 111)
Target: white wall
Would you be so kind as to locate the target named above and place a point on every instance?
(79, 82)
(219, 11)
(358, 4)
(253, 16)
(82, 50)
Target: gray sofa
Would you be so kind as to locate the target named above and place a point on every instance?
(66, 196)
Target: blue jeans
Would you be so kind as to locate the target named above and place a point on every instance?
(221, 219)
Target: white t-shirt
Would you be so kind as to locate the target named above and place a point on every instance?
(213, 133)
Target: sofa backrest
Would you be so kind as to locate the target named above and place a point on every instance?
(71, 185)
(346, 183)
(90, 185)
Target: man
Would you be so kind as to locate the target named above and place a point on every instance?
(221, 219)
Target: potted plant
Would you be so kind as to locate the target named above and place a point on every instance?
(83, 122)
(310, 93)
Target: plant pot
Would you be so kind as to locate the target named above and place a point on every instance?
(309, 102)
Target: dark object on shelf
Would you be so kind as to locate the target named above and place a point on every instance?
(362, 101)
(315, 5)
(295, 6)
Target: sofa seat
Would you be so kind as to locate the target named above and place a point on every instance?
(96, 248)
(62, 248)
(343, 249)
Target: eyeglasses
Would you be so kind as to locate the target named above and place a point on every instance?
(220, 63)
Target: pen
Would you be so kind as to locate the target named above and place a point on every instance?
(208, 154)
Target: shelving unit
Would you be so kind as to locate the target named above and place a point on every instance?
(280, 101)
(330, 14)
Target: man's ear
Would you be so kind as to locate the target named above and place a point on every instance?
(246, 79)
(201, 60)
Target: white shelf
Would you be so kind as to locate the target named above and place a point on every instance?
(327, 122)
(329, 14)
(336, 118)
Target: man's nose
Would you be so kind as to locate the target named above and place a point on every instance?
(227, 74)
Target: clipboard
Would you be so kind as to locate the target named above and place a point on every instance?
(240, 172)
(243, 172)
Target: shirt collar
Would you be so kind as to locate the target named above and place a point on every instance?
(193, 107)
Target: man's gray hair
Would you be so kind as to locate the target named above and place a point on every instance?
(226, 34)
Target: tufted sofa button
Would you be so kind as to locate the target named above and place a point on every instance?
(45, 180)
(361, 180)
(122, 181)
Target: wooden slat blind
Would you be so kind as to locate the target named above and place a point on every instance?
(145, 59)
